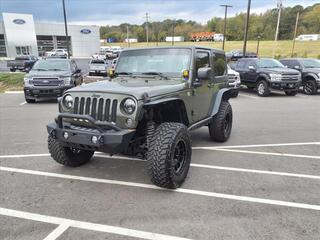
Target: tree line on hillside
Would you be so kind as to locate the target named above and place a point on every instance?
(260, 24)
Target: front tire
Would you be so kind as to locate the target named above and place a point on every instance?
(221, 125)
(310, 87)
(263, 89)
(66, 156)
(169, 155)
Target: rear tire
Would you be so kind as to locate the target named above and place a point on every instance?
(263, 88)
(68, 156)
(291, 93)
(169, 155)
(310, 87)
(221, 125)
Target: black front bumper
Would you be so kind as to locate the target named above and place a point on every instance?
(45, 91)
(285, 86)
(111, 139)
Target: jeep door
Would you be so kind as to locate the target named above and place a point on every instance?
(201, 91)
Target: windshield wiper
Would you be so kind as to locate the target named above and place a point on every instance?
(55, 69)
(156, 74)
(40, 69)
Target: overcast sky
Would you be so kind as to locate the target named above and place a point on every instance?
(113, 12)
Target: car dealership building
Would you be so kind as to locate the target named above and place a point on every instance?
(19, 34)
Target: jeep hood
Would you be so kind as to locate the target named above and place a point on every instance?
(133, 87)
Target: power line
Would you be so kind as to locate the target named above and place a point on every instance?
(225, 22)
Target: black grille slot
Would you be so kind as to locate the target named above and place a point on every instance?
(107, 110)
(76, 104)
(81, 109)
(88, 102)
(94, 108)
(100, 109)
(114, 110)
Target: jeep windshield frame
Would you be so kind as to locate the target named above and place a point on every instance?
(165, 63)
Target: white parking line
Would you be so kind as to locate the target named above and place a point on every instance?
(224, 168)
(23, 103)
(179, 190)
(85, 225)
(57, 232)
(261, 145)
(99, 154)
(264, 153)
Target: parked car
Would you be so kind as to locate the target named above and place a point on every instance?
(49, 78)
(98, 67)
(235, 55)
(62, 53)
(310, 72)
(155, 97)
(22, 63)
(267, 74)
(234, 82)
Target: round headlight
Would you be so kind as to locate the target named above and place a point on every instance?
(128, 106)
(68, 101)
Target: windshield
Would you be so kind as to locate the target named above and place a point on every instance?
(51, 65)
(169, 62)
(270, 63)
(310, 63)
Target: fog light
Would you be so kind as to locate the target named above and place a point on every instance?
(94, 139)
(65, 135)
(129, 122)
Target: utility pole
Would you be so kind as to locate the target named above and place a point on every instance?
(173, 26)
(128, 42)
(66, 28)
(258, 44)
(147, 26)
(246, 29)
(295, 33)
(277, 29)
(225, 23)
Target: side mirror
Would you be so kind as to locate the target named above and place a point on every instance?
(78, 71)
(252, 68)
(204, 73)
(297, 67)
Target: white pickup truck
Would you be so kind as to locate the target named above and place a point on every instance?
(63, 53)
(98, 67)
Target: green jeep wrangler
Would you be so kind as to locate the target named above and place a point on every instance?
(153, 99)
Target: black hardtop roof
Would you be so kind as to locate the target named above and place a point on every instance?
(178, 47)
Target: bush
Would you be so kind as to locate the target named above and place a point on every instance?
(11, 81)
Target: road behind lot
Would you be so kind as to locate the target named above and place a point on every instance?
(233, 191)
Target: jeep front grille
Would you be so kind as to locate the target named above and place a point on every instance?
(99, 108)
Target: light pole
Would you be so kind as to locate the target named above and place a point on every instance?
(225, 23)
(246, 29)
(128, 42)
(258, 44)
(277, 30)
(147, 27)
(66, 28)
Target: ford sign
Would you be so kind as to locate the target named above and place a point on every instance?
(85, 31)
(19, 21)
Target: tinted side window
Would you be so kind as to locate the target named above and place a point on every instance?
(241, 64)
(219, 65)
(202, 60)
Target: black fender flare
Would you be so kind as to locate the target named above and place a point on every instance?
(223, 94)
(309, 75)
(263, 76)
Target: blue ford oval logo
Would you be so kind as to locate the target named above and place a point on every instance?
(19, 21)
(85, 31)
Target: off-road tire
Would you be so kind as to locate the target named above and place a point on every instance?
(221, 125)
(310, 87)
(234, 94)
(162, 152)
(291, 93)
(66, 156)
(265, 87)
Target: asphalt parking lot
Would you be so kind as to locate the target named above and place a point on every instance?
(264, 183)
